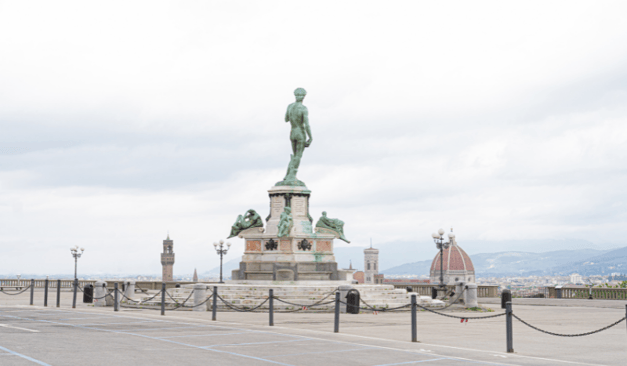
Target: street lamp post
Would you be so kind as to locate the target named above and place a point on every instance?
(438, 238)
(221, 251)
(75, 253)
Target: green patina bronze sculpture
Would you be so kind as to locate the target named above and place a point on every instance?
(285, 223)
(249, 220)
(298, 116)
(336, 225)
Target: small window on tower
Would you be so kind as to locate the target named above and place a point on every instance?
(369, 267)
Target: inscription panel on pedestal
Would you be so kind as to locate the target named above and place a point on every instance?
(299, 206)
(276, 205)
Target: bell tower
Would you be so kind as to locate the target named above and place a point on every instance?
(167, 259)
(371, 264)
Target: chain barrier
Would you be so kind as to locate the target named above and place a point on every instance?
(15, 293)
(141, 289)
(454, 301)
(568, 335)
(234, 307)
(370, 308)
(305, 305)
(460, 317)
(204, 302)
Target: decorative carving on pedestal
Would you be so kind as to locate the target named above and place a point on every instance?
(272, 245)
(304, 245)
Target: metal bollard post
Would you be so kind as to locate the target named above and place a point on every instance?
(162, 298)
(32, 291)
(336, 328)
(626, 312)
(74, 297)
(46, 293)
(508, 326)
(58, 293)
(115, 297)
(271, 311)
(414, 327)
(214, 308)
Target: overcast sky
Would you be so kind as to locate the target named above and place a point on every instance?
(124, 120)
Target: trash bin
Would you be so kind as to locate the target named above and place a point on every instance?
(88, 294)
(178, 285)
(409, 289)
(506, 296)
(558, 292)
(352, 302)
(434, 293)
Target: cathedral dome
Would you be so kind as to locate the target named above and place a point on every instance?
(457, 266)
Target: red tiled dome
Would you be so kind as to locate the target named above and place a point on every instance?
(455, 259)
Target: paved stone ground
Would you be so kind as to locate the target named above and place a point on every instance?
(98, 336)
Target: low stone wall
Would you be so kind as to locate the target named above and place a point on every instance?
(425, 289)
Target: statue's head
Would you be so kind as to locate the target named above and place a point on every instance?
(300, 93)
(324, 213)
(288, 209)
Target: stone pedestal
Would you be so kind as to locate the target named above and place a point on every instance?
(470, 297)
(200, 295)
(129, 290)
(306, 254)
(100, 290)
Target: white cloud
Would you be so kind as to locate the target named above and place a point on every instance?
(124, 120)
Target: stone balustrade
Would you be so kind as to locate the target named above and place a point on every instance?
(603, 293)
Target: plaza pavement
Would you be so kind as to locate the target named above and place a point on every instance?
(31, 335)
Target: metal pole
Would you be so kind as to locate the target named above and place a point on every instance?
(271, 311)
(214, 309)
(115, 298)
(441, 266)
(58, 293)
(162, 297)
(32, 290)
(508, 326)
(46, 293)
(336, 329)
(75, 265)
(221, 263)
(414, 327)
(74, 297)
(626, 313)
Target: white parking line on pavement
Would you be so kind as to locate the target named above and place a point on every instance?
(12, 327)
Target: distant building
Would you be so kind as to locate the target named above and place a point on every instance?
(359, 276)
(457, 266)
(379, 279)
(576, 278)
(167, 260)
(195, 277)
(371, 264)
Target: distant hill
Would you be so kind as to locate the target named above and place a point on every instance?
(519, 263)
(602, 264)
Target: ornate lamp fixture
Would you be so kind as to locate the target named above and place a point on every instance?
(438, 238)
(76, 255)
(221, 252)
